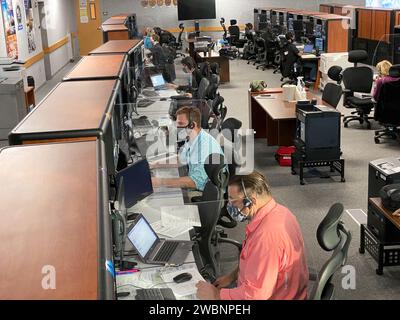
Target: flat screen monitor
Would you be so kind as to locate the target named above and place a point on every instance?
(196, 9)
(137, 182)
(298, 25)
(319, 44)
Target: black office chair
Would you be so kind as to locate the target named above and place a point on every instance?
(179, 43)
(222, 23)
(261, 50)
(332, 236)
(229, 129)
(202, 91)
(291, 69)
(234, 35)
(387, 107)
(333, 91)
(360, 80)
(209, 206)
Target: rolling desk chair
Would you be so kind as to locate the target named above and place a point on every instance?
(229, 129)
(209, 205)
(360, 80)
(333, 91)
(261, 50)
(202, 91)
(387, 107)
(332, 236)
(234, 35)
(178, 45)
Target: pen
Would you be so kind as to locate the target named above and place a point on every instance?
(128, 271)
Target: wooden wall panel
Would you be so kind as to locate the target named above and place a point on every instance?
(380, 25)
(337, 37)
(364, 28)
(118, 35)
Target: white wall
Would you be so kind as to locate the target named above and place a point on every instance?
(3, 50)
(167, 17)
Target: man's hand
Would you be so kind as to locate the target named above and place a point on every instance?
(156, 182)
(189, 95)
(171, 86)
(223, 282)
(206, 291)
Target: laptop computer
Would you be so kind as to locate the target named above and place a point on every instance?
(308, 48)
(158, 82)
(154, 250)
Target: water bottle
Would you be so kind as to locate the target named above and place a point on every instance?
(301, 88)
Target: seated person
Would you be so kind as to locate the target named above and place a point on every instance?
(148, 41)
(295, 54)
(272, 262)
(160, 58)
(383, 68)
(189, 67)
(198, 146)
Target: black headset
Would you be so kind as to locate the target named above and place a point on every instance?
(191, 123)
(246, 201)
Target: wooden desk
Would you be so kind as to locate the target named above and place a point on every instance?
(117, 47)
(274, 119)
(100, 67)
(223, 65)
(73, 111)
(54, 213)
(115, 32)
(29, 97)
(377, 202)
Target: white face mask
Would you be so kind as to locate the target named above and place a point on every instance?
(182, 134)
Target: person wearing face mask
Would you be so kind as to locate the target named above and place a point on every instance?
(272, 262)
(194, 77)
(198, 145)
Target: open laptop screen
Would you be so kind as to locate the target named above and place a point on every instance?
(142, 236)
(158, 81)
(308, 48)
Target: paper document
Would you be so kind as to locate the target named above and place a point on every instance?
(176, 220)
(170, 231)
(182, 289)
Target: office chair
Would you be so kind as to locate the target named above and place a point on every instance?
(209, 205)
(387, 107)
(179, 43)
(360, 80)
(249, 48)
(261, 50)
(234, 35)
(271, 49)
(222, 23)
(202, 91)
(229, 130)
(332, 236)
(333, 91)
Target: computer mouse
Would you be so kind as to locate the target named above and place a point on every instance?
(163, 99)
(183, 277)
(143, 117)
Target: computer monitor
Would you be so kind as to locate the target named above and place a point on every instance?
(158, 81)
(309, 26)
(319, 44)
(308, 48)
(298, 25)
(137, 182)
(119, 221)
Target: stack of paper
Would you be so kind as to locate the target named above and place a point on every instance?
(176, 220)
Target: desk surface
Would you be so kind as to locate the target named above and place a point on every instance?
(117, 46)
(377, 202)
(98, 67)
(278, 109)
(76, 105)
(113, 27)
(49, 217)
(115, 20)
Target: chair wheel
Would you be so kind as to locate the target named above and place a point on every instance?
(343, 180)
(346, 125)
(379, 272)
(361, 251)
(302, 183)
(377, 141)
(369, 126)
(293, 172)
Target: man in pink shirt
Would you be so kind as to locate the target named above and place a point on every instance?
(272, 262)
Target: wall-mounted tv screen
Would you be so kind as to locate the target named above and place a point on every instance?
(196, 9)
(383, 3)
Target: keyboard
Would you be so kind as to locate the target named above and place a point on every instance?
(143, 103)
(155, 294)
(150, 93)
(166, 251)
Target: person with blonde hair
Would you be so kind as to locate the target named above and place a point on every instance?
(383, 68)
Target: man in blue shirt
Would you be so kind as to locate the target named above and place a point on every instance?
(199, 145)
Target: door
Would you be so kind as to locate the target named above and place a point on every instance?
(45, 40)
(88, 15)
